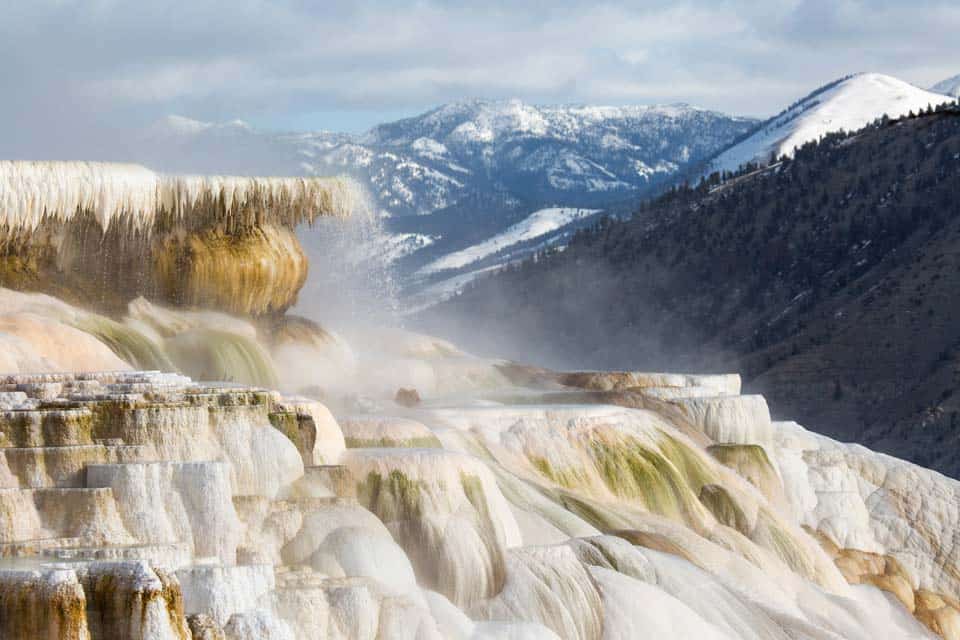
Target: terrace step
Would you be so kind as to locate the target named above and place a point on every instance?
(170, 555)
(46, 427)
(65, 466)
(36, 547)
(335, 478)
(300, 577)
(57, 512)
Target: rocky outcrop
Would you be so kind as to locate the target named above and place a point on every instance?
(103, 234)
(120, 489)
(42, 604)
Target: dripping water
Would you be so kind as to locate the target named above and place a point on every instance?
(352, 281)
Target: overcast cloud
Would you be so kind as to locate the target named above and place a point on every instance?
(76, 73)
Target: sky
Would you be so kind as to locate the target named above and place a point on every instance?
(78, 75)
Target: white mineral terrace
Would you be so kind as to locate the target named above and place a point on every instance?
(142, 505)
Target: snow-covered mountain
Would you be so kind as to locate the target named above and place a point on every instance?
(949, 87)
(576, 155)
(847, 104)
(463, 179)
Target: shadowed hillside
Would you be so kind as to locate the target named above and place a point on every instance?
(830, 280)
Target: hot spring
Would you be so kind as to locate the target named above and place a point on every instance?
(212, 426)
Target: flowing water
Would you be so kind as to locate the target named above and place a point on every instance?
(351, 279)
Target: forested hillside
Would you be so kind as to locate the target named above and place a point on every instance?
(829, 280)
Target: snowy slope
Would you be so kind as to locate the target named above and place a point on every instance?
(950, 87)
(536, 225)
(398, 245)
(849, 104)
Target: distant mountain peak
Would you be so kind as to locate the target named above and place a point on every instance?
(848, 104)
(177, 125)
(948, 87)
(181, 124)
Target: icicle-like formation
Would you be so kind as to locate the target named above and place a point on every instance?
(33, 191)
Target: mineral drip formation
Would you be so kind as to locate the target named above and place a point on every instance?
(102, 234)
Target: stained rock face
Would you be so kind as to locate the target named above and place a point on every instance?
(46, 603)
(407, 397)
(115, 485)
(102, 234)
(445, 510)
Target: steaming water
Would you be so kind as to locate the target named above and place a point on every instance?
(351, 279)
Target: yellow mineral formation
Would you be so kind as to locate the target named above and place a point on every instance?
(939, 612)
(101, 234)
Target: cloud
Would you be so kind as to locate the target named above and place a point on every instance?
(76, 71)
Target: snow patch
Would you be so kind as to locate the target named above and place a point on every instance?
(398, 245)
(537, 224)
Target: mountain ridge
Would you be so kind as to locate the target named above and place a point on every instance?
(571, 154)
(950, 86)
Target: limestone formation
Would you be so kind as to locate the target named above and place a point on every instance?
(147, 506)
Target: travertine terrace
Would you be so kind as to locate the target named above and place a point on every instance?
(145, 505)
